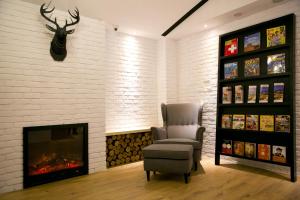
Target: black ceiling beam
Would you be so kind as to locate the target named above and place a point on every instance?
(189, 13)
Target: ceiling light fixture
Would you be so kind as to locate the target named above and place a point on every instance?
(238, 14)
(205, 26)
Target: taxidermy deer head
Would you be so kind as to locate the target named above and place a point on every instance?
(58, 49)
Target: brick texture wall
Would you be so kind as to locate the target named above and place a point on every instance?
(197, 66)
(130, 82)
(108, 79)
(37, 91)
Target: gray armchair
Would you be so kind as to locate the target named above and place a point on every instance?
(182, 125)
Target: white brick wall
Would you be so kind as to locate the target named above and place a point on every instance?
(166, 74)
(35, 90)
(131, 82)
(197, 71)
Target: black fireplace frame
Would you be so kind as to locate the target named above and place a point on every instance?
(29, 181)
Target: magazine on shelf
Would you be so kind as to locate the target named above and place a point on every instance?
(230, 70)
(252, 42)
(227, 146)
(251, 67)
(238, 121)
(227, 95)
(279, 154)
(238, 148)
(276, 63)
(252, 94)
(226, 121)
(264, 152)
(239, 94)
(252, 122)
(282, 123)
(276, 36)
(266, 123)
(231, 47)
(264, 93)
(250, 150)
(278, 92)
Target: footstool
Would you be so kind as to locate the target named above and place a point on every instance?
(168, 158)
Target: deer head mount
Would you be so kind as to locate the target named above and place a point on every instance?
(58, 49)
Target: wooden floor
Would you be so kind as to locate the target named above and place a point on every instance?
(210, 182)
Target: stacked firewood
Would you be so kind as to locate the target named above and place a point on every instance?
(126, 148)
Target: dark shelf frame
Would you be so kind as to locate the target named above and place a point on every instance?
(272, 108)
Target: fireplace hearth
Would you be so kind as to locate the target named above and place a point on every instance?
(54, 152)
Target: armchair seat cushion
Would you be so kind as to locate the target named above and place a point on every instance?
(196, 144)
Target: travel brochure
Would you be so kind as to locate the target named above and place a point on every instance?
(282, 123)
(252, 42)
(266, 123)
(264, 152)
(239, 94)
(276, 63)
(226, 121)
(264, 93)
(238, 121)
(230, 70)
(227, 94)
(252, 67)
(278, 92)
(252, 94)
(250, 150)
(279, 154)
(276, 36)
(231, 47)
(227, 146)
(252, 122)
(239, 148)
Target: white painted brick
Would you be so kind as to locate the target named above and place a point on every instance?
(130, 89)
(36, 91)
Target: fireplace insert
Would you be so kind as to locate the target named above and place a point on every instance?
(54, 152)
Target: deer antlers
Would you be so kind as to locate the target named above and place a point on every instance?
(44, 10)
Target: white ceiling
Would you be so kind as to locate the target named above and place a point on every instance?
(150, 18)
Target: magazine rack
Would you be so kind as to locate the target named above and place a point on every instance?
(287, 107)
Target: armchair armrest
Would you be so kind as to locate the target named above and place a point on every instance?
(199, 134)
(158, 133)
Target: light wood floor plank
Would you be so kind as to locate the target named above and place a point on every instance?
(227, 181)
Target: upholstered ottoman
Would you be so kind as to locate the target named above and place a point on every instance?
(168, 158)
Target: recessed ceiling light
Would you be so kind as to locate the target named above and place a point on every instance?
(238, 14)
(205, 26)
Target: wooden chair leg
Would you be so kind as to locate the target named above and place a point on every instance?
(196, 166)
(186, 177)
(148, 175)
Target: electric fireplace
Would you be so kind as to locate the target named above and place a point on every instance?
(54, 152)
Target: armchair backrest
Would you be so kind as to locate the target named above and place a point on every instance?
(181, 120)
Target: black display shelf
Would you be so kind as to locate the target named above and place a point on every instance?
(253, 105)
(287, 107)
(254, 78)
(256, 52)
(255, 159)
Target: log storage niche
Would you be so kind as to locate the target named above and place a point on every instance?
(256, 94)
(126, 147)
